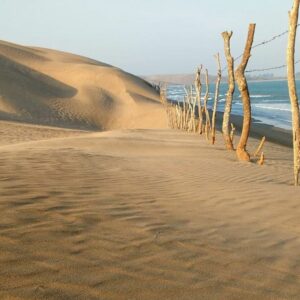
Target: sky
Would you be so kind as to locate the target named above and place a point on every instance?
(148, 37)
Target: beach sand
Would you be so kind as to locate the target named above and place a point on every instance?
(137, 211)
(144, 214)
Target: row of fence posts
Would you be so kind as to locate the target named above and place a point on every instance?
(192, 114)
(185, 116)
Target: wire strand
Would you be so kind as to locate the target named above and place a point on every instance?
(271, 68)
(263, 43)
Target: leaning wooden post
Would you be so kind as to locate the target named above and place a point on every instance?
(241, 151)
(213, 121)
(198, 86)
(262, 159)
(293, 21)
(260, 146)
(231, 87)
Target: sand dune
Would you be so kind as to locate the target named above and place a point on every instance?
(143, 214)
(49, 87)
(146, 213)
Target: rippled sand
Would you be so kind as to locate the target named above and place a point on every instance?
(143, 214)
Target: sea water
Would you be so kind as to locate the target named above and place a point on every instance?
(270, 102)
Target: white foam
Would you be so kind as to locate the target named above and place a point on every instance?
(274, 106)
(258, 96)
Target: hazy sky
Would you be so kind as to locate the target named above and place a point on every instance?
(148, 36)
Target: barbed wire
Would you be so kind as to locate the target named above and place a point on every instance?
(272, 68)
(265, 42)
(272, 39)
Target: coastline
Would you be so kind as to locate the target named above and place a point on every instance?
(258, 130)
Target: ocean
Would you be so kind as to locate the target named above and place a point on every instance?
(269, 101)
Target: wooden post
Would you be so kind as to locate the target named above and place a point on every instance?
(181, 116)
(194, 101)
(241, 151)
(207, 117)
(178, 111)
(232, 133)
(213, 127)
(260, 146)
(231, 87)
(198, 86)
(262, 159)
(189, 110)
(293, 21)
(184, 113)
(164, 101)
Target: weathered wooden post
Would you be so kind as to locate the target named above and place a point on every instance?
(260, 146)
(198, 86)
(241, 151)
(207, 117)
(232, 132)
(194, 102)
(213, 121)
(231, 87)
(184, 113)
(164, 101)
(293, 21)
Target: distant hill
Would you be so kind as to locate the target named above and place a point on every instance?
(176, 78)
(188, 79)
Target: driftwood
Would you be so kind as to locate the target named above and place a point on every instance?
(231, 87)
(213, 127)
(241, 151)
(293, 21)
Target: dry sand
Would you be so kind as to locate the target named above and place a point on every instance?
(130, 213)
(43, 86)
(144, 214)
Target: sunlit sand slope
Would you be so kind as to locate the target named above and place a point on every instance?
(44, 86)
